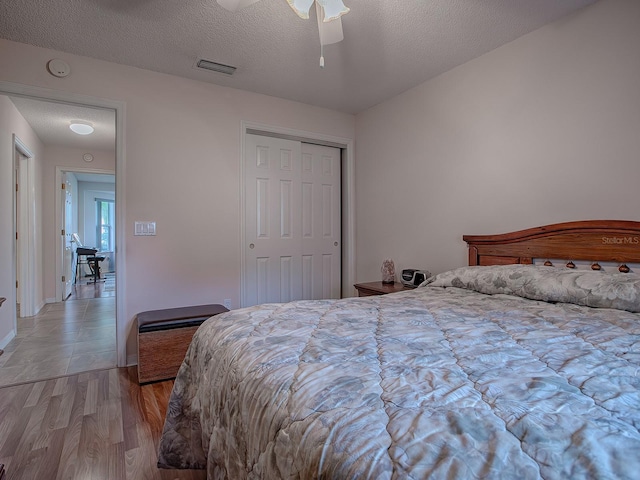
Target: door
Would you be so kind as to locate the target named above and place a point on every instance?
(321, 235)
(25, 230)
(67, 244)
(292, 215)
(18, 228)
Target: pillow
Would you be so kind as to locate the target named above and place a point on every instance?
(550, 284)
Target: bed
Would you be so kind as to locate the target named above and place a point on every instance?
(507, 368)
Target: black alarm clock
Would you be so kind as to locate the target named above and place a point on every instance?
(412, 277)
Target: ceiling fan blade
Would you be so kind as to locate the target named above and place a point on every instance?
(330, 32)
(333, 9)
(301, 7)
(235, 5)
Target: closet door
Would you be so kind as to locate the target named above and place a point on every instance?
(292, 216)
(321, 236)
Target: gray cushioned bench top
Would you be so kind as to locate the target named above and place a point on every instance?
(168, 318)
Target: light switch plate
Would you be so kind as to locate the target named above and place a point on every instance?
(144, 229)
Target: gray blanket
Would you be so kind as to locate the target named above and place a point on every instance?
(440, 382)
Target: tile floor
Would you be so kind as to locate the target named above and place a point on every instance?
(63, 339)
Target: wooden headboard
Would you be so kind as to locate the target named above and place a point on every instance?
(591, 240)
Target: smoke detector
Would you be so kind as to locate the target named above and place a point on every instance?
(58, 68)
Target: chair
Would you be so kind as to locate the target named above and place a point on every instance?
(94, 265)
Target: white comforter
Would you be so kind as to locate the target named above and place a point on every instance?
(432, 383)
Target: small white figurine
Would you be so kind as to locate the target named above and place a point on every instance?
(388, 271)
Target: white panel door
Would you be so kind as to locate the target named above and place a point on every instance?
(67, 245)
(321, 253)
(292, 216)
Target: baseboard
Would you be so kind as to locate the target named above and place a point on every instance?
(40, 307)
(132, 360)
(50, 300)
(8, 337)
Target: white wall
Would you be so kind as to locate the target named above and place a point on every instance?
(542, 130)
(182, 170)
(11, 122)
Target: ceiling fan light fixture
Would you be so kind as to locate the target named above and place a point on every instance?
(301, 7)
(329, 13)
(81, 128)
(333, 9)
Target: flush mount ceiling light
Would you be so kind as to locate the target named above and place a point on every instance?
(81, 128)
(327, 11)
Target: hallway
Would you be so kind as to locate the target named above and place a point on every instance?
(75, 336)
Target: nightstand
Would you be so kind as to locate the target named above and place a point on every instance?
(379, 288)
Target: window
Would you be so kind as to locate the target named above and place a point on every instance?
(105, 221)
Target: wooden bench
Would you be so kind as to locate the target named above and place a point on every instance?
(164, 337)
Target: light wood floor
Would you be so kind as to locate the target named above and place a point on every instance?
(64, 338)
(96, 425)
(85, 289)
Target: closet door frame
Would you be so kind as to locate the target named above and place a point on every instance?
(348, 253)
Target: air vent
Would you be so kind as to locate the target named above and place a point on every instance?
(215, 67)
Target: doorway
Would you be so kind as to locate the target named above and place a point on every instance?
(51, 97)
(25, 229)
(68, 227)
(81, 194)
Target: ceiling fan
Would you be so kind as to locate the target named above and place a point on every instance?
(328, 12)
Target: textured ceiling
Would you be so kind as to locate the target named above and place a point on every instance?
(389, 47)
(51, 120)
